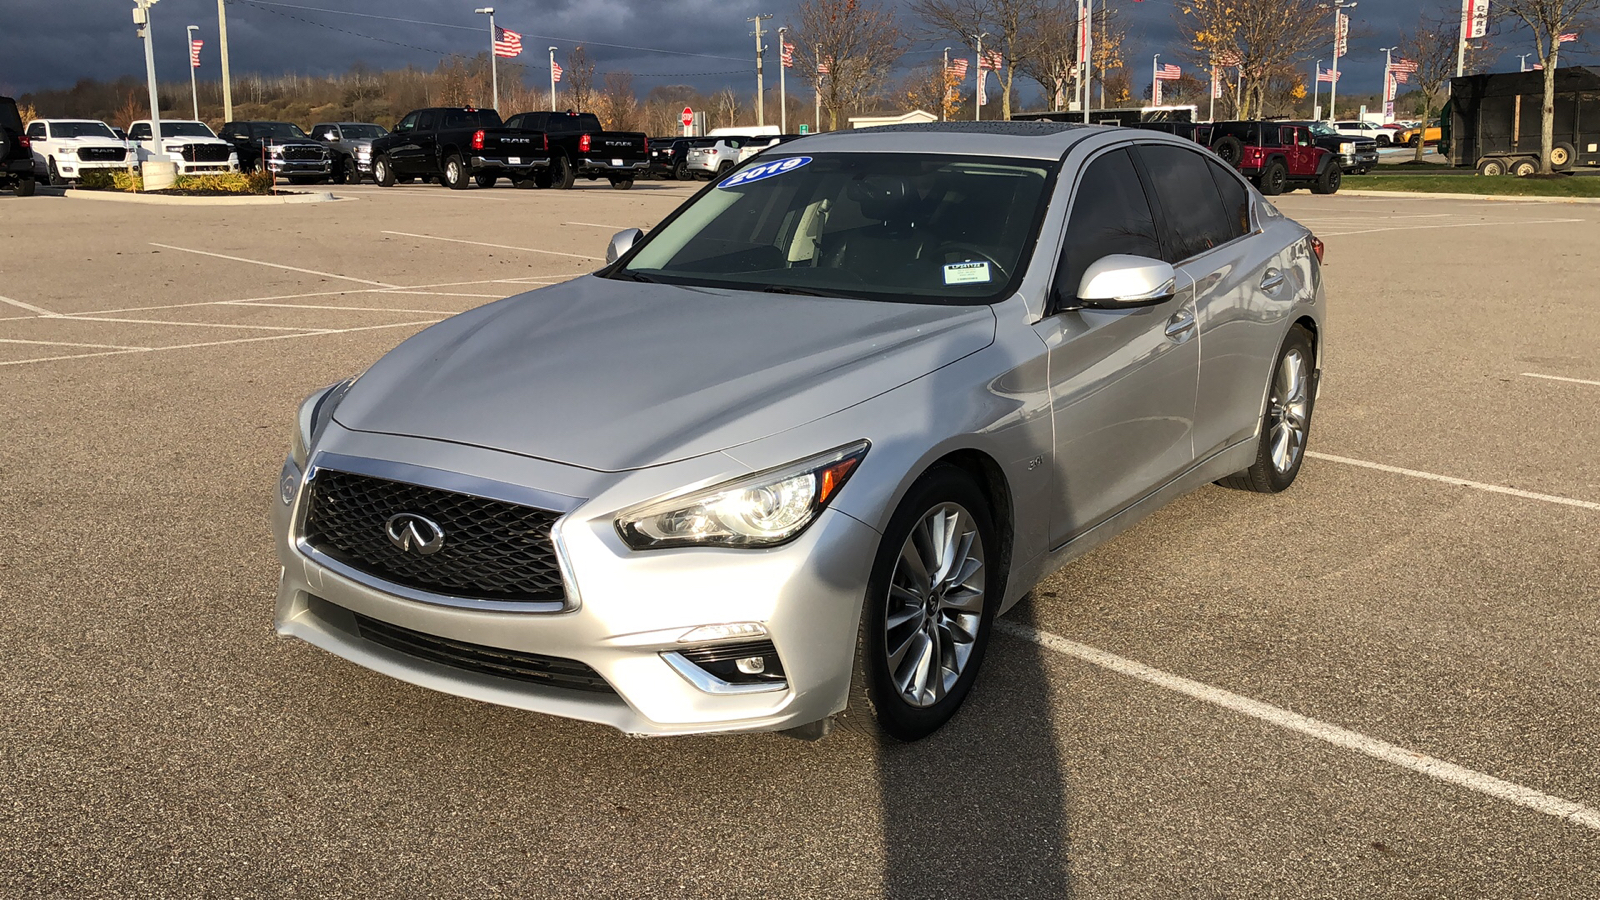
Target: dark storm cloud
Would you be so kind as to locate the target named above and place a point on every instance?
(53, 43)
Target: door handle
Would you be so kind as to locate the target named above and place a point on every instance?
(1181, 323)
(1272, 280)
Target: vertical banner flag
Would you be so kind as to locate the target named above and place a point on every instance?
(1216, 83)
(507, 43)
(983, 87)
(788, 55)
(1477, 18)
(555, 71)
(194, 53)
(1342, 44)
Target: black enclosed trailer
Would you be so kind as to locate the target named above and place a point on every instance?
(1134, 116)
(1494, 120)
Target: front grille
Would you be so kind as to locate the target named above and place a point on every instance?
(102, 154)
(492, 550)
(302, 153)
(552, 671)
(206, 152)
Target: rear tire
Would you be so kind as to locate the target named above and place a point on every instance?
(680, 172)
(455, 174)
(24, 187)
(484, 180)
(1561, 156)
(1286, 422)
(1273, 179)
(1522, 168)
(1492, 166)
(921, 642)
(383, 172)
(564, 175)
(622, 184)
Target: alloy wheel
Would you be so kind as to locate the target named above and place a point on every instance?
(1289, 411)
(935, 605)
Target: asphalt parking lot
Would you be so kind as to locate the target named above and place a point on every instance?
(1384, 682)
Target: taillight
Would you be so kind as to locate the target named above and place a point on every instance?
(646, 146)
(26, 141)
(1316, 247)
(547, 141)
(583, 144)
(477, 139)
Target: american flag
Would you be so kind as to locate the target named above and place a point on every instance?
(1567, 38)
(991, 59)
(1538, 66)
(507, 42)
(958, 69)
(555, 70)
(1403, 65)
(1168, 72)
(1228, 58)
(1327, 75)
(823, 66)
(194, 53)
(788, 55)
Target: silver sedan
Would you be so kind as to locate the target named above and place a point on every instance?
(784, 461)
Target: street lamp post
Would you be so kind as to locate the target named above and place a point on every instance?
(977, 80)
(1155, 80)
(761, 90)
(194, 91)
(783, 89)
(222, 53)
(553, 79)
(944, 82)
(158, 172)
(1316, 90)
(494, 68)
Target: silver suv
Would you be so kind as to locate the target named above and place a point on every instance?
(351, 145)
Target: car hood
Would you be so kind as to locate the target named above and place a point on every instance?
(614, 375)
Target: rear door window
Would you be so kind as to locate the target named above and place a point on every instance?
(1235, 199)
(425, 121)
(1191, 212)
(1110, 215)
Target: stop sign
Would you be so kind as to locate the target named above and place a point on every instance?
(688, 117)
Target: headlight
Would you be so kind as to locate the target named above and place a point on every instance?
(1347, 147)
(760, 510)
(315, 411)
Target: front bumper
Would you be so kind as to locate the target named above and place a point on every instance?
(1364, 159)
(278, 166)
(76, 168)
(630, 609)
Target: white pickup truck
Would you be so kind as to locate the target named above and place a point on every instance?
(64, 149)
(192, 145)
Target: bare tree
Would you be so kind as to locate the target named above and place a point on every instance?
(617, 105)
(725, 108)
(856, 41)
(929, 86)
(1261, 37)
(1548, 20)
(1008, 23)
(579, 74)
(1052, 57)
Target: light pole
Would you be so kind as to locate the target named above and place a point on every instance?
(194, 92)
(494, 67)
(1338, 7)
(783, 89)
(1086, 7)
(761, 106)
(1388, 85)
(553, 79)
(1522, 61)
(222, 50)
(158, 172)
(1316, 90)
(977, 93)
(1155, 80)
(944, 82)
(818, 92)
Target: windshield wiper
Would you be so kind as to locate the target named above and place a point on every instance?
(635, 276)
(776, 289)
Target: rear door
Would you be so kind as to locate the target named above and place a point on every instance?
(1122, 382)
(1206, 215)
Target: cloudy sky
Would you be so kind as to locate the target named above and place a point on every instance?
(52, 43)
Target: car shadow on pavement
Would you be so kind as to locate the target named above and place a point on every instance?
(979, 808)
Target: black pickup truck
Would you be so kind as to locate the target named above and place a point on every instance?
(16, 151)
(579, 146)
(280, 147)
(459, 146)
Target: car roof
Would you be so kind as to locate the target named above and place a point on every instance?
(90, 121)
(1026, 140)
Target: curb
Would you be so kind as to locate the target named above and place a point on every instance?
(1498, 198)
(159, 200)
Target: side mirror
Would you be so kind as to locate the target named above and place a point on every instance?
(1121, 281)
(621, 243)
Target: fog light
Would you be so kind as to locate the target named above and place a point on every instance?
(752, 665)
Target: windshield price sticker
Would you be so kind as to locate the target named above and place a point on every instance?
(966, 273)
(767, 170)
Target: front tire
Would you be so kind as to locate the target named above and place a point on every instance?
(383, 172)
(54, 178)
(930, 604)
(1286, 423)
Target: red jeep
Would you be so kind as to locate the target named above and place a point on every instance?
(1277, 157)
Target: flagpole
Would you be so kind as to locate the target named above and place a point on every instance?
(1316, 88)
(1088, 60)
(222, 50)
(977, 80)
(783, 95)
(818, 90)
(1155, 80)
(552, 79)
(944, 81)
(194, 91)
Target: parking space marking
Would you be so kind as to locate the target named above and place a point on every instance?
(598, 225)
(496, 246)
(90, 317)
(70, 344)
(1433, 767)
(1560, 378)
(275, 265)
(27, 306)
(248, 340)
(391, 309)
(1452, 225)
(1459, 482)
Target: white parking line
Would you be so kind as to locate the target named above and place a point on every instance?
(90, 318)
(249, 340)
(1455, 225)
(258, 262)
(430, 237)
(71, 344)
(1560, 378)
(27, 306)
(386, 309)
(1459, 482)
(1435, 768)
(598, 225)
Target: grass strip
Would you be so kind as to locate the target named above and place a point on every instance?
(1486, 185)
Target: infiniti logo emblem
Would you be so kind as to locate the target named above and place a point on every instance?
(414, 534)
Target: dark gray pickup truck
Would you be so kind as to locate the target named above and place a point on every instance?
(579, 146)
(459, 146)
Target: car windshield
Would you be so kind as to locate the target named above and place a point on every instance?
(81, 130)
(362, 132)
(1321, 128)
(183, 129)
(280, 130)
(903, 227)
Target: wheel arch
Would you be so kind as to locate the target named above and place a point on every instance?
(991, 480)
